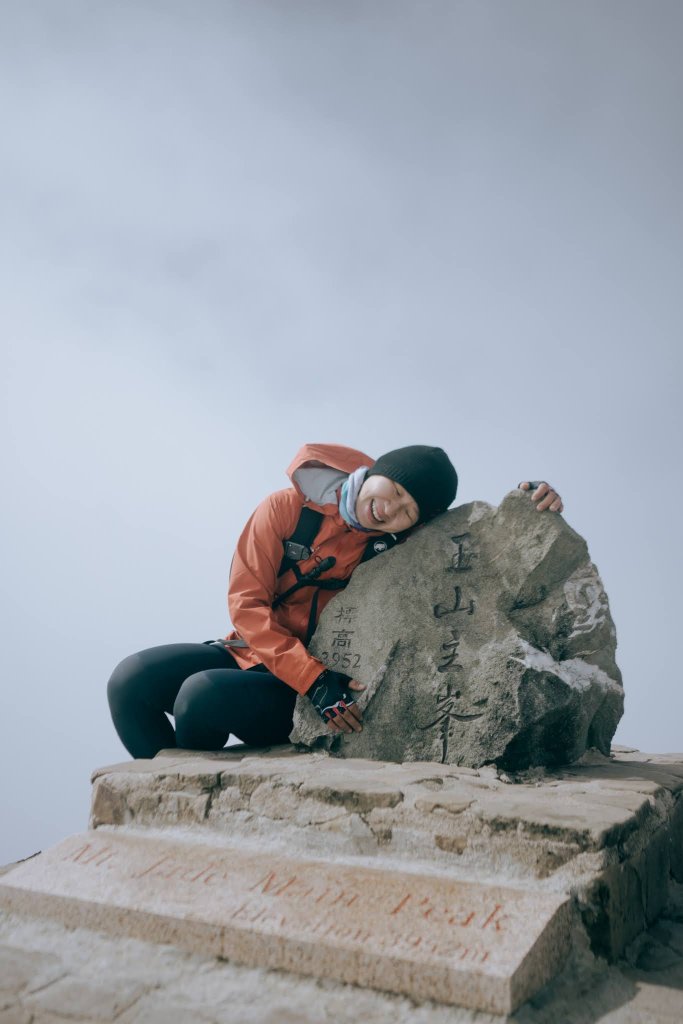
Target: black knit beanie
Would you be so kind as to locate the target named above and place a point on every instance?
(426, 473)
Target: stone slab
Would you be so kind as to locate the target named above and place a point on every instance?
(427, 936)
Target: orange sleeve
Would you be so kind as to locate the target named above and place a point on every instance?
(253, 580)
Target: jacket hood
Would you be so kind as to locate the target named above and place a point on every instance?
(318, 469)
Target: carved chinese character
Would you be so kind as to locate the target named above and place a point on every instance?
(342, 637)
(449, 659)
(447, 713)
(344, 614)
(462, 559)
(441, 609)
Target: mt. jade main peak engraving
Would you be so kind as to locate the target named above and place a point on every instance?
(429, 936)
(486, 637)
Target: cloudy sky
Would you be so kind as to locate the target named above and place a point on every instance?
(232, 227)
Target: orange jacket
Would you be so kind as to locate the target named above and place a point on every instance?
(275, 637)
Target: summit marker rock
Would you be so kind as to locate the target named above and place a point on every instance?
(486, 637)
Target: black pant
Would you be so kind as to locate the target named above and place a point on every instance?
(207, 694)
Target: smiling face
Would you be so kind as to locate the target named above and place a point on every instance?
(385, 505)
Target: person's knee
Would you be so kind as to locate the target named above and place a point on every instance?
(198, 724)
(122, 682)
(195, 713)
(190, 697)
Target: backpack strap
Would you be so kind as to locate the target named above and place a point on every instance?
(298, 547)
(378, 545)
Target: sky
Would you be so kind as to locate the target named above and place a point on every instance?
(230, 228)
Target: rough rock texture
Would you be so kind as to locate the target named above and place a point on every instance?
(485, 638)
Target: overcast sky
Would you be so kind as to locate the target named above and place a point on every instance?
(230, 228)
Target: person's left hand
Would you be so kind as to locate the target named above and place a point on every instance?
(543, 494)
(334, 704)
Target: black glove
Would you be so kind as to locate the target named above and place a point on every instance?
(330, 694)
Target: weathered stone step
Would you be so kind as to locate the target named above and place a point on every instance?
(609, 832)
(589, 806)
(427, 936)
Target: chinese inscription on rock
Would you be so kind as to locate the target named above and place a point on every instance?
(448, 698)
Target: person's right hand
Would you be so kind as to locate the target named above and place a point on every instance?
(543, 494)
(331, 698)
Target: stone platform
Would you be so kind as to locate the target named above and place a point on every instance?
(463, 886)
(607, 831)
